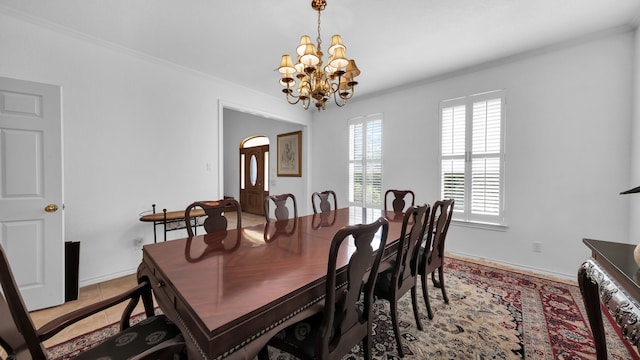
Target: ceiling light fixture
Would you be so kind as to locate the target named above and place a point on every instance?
(315, 82)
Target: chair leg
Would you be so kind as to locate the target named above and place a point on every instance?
(264, 353)
(366, 342)
(147, 301)
(425, 295)
(436, 283)
(444, 292)
(394, 319)
(414, 302)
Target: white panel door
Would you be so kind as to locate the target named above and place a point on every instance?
(31, 216)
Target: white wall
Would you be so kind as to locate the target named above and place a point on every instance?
(568, 137)
(136, 131)
(634, 164)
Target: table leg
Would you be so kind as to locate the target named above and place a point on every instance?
(590, 296)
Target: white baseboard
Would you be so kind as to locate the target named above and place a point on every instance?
(99, 279)
(562, 276)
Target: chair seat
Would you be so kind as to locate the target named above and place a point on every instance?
(424, 261)
(135, 340)
(302, 335)
(384, 283)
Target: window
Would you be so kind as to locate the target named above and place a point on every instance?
(472, 155)
(365, 161)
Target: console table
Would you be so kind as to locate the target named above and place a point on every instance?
(611, 276)
(171, 220)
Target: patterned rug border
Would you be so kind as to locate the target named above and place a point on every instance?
(496, 265)
(632, 349)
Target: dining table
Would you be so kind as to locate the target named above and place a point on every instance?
(229, 292)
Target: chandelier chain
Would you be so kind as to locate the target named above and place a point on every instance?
(318, 39)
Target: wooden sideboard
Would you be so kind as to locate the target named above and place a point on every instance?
(611, 276)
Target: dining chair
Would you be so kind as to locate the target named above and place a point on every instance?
(402, 276)
(281, 211)
(431, 255)
(215, 211)
(154, 338)
(322, 198)
(398, 204)
(344, 320)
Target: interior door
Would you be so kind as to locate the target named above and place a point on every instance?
(253, 179)
(31, 216)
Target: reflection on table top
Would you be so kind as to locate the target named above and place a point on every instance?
(237, 273)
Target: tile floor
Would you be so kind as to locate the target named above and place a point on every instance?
(93, 293)
(87, 295)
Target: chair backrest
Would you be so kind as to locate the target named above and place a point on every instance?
(18, 335)
(398, 203)
(441, 213)
(405, 271)
(344, 325)
(281, 211)
(215, 210)
(323, 199)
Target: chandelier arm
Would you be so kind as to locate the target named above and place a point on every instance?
(349, 94)
(335, 99)
(295, 97)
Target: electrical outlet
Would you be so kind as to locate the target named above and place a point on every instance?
(537, 247)
(137, 243)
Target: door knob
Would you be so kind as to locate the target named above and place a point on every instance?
(51, 208)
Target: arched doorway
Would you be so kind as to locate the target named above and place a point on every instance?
(254, 173)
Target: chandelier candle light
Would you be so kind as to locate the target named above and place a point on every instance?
(315, 82)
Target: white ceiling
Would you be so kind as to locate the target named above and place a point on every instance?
(393, 42)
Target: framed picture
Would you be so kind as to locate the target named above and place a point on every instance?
(289, 154)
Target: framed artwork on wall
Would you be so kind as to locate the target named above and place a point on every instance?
(289, 154)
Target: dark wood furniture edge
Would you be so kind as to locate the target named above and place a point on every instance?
(590, 295)
(597, 285)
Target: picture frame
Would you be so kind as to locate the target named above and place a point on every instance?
(290, 154)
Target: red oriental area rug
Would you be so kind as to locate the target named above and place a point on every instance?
(493, 313)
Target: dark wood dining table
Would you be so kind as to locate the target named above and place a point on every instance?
(230, 292)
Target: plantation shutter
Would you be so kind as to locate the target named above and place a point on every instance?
(472, 156)
(486, 157)
(453, 152)
(356, 162)
(365, 161)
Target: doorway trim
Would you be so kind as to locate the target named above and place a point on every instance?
(223, 104)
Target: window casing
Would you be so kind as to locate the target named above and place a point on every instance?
(365, 161)
(472, 156)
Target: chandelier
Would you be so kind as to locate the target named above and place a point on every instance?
(335, 79)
